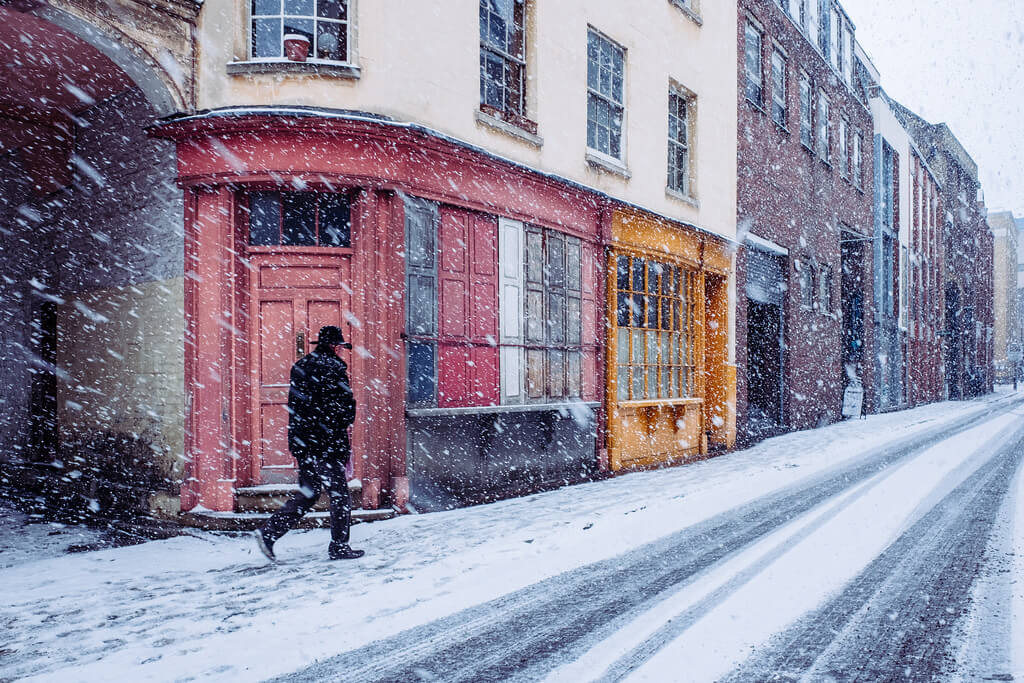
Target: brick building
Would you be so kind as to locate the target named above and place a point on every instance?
(967, 264)
(804, 213)
(1006, 311)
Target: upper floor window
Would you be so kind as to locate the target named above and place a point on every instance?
(779, 88)
(825, 289)
(323, 24)
(806, 286)
(835, 40)
(855, 169)
(823, 146)
(307, 219)
(806, 112)
(752, 65)
(823, 29)
(679, 141)
(605, 106)
(503, 58)
(844, 148)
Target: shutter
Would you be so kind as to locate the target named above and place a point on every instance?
(421, 219)
(765, 281)
(511, 304)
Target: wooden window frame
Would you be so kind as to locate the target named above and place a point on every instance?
(824, 106)
(806, 111)
(780, 110)
(512, 107)
(318, 198)
(671, 335)
(415, 274)
(680, 172)
(753, 87)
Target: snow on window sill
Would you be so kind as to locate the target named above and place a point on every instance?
(682, 197)
(508, 128)
(507, 408)
(312, 67)
(684, 7)
(604, 162)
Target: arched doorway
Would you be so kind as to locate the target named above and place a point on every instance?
(91, 259)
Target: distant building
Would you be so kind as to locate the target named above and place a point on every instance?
(908, 260)
(1006, 304)
(805, 178)
(967, 266)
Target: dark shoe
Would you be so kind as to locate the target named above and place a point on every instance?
(266, 547)
(342, 551)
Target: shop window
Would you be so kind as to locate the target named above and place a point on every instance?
(306, 219)
(503, 61)
(654, 319)
(605, 102)
(324, 23)
(552, 312)
(421, 219)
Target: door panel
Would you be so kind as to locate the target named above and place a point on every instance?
(294, 297)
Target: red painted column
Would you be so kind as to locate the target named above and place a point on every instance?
(208, 367)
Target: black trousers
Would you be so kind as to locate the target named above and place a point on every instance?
(315, 475)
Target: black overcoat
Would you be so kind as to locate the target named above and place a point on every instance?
(321, 407)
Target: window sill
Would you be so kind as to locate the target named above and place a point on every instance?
(755, 105)
(278, 66)
(606, 163)
(508, 128)
(688, 11)
(659, 402)
(782, 128)
(682, 197)
(508, 408)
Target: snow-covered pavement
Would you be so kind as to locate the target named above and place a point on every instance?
(208, 607)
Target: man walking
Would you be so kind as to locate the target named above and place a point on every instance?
(321, 407)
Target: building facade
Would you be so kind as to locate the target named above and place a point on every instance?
(908, 265)
(805, 177)
(1006, 308)
(522, 216)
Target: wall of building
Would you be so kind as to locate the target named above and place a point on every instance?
(791, 197)
(1006, 320)
(419, 62)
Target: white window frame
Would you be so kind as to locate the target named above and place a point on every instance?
(806, 111)
(806, 277)
(844, 148)
(857, 159)
(609, 100)
(822, 131)
(687, 127)
(349, 21)
(779, 98)
(755, 78)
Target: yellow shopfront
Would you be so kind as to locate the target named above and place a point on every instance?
(671, 388)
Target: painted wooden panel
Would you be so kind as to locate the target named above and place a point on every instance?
(274, 438)
(277, 341)
(453, 380)
(296, 276)
(484, 386)
(453, 308)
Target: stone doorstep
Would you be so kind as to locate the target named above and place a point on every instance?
(270, 497)
(249, 521)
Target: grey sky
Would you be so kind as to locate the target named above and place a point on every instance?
(962, 64)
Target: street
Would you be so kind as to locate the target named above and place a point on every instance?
(870, 550)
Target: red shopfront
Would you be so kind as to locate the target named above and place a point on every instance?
(469, 287)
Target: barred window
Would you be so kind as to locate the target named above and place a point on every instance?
(655, 313)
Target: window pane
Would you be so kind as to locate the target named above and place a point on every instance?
(266, 7)
(334, 221)
(638, 310)
(534, 373)
(622, 273)
(492, 80)
(573, 322)
(622, 391)
(574, 373)
(298, 218)
(421, 237)
(638, 274)
(421, 372)
(573, 275)
(534, 257)
(302, 27)
(623, 304)
(652, 348)
(421, 304)
(266, 38)
(638, 381)
(556, 318)
(556, 374)
(534, 316)
(652, 382)
(638, 347)
(622, 352)
(302, 8)
(331, 9)
(264, 218)
(331, 41)
(555, 265)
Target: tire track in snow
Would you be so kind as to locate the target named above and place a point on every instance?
(527, 633)
(896, 618)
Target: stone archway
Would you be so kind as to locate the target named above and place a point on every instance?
(91, 259)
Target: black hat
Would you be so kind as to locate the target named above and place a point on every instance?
(329, 334)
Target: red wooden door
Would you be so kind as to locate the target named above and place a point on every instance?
(292, 297)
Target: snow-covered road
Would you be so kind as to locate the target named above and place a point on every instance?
(891, 536)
